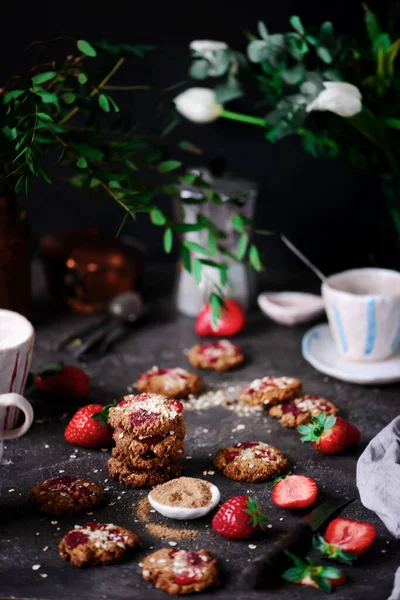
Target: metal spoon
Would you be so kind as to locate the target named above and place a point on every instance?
(303, 258)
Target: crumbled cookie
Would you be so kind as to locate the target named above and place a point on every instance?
(137, 478)
(146, 414)
(97, 543)
(66, 495)
(300, 410)
(173, 383)
(160, 445)
(221, 355)
(180, 572)
(270, 390)
(250, 461)
(148, 461)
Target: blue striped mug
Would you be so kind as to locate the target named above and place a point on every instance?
(363, 308)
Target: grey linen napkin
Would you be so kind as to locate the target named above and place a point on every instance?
(378, 481)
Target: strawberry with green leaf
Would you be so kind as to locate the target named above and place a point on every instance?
(58, 379)
(345, 540)
(89, 427)
(307, 572)
(329, 434)
(238, 518)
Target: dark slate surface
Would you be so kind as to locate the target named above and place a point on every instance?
(44, 453)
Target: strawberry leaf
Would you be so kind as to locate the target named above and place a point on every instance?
(329, 422)
(323, 584)
(256, 516)
(298, 562)
(314, 430)
(331, 573)
(54, 367)
(332, 551)
(308, 569)
(102, 416)
(293, 574)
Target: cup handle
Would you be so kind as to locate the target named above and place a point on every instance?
(20, 402)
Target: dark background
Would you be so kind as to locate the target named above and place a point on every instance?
(330, 211)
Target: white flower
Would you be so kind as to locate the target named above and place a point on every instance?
(206, 48)
(198, 105)
(344, 99)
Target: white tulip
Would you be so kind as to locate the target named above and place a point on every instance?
(206, 48)
(198, 105)
(343, 99)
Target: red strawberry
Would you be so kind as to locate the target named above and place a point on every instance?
(231, 321)
(307, 572)
(88, 427)
(329, 434)
(238, 518)
(62, 380)
(294, 491)
(345, 540)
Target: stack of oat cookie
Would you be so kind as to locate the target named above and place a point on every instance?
(149, 434)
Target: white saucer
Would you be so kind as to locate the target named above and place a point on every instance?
(319, 350)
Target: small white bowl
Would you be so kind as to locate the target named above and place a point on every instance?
(183, 514)
(290, 308)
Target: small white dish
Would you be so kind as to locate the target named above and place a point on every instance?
(184, 513)
(320, 351)
(290, 308)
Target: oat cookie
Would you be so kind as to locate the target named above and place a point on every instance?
(270, 390)
(148, 461)
(180, 572)
(146, 414)
(300, 410)
(221, 355)
(173, 383)
(97, 543)
(66, 495)
(157, 444)
(137, 478)
(250, 461)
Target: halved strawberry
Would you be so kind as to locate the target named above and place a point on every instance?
(329, 434)
(307, 572)
(294, 491)
(238, 518)
(345, 539)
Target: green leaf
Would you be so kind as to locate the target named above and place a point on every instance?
(104, 103)
(168, 240)
(82, 78)
(323, 584)
(47, 97)
(331, 573)
(212, 243)
(394, 123)
(324, 54)
(13, 95)
(372, 24)
(81, 163)
(44, 117)
(68, 97)
(197, 271)
(199, 69)
(188, 227)
(239, 222)
(242, 245)
(197, 248)
(262, 30)
(297, 24)
(293, 574)
(294, 75)
(190, 147)
(255, 259)
(329, 422)
(297, 45)
(382, 43)
(158, 217)
(326, 34)
(86, 48)
(216, 304)
(228, 90)
(297, 561)
(89, 151)
(113, 104)
(258, 51)
(169, 165)
(223, 274)
(43, 77)
(186, 258)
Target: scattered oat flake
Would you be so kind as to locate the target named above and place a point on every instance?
(46, 446)
(211, 472)
(12, 490)
(281, 519)
(204, 472)
(95, 470)
(252, 546)
(89, 513)
(44, 575)
(61, 471)
(172, 543)
(188, 458)
(104, 449)
(35, 567)
(269, 526)
(40, 421)
(54, 522)
(45, 549)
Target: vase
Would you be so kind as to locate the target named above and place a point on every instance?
(190, 296)
(15, 264)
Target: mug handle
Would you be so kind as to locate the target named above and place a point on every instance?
(20, 402)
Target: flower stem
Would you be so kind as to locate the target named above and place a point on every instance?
(228, 114)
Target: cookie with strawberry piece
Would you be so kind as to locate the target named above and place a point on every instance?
(172, 383)
(250, 461)
(238, 518)
(97, 544)
(221, 355)
(345, 540)
(148, 461)
(309, 573)
(180, 572)
(270, 390)
(66, 495)
(159, 445)
(133, 477)
(146, 414)
(329, 434)
(299, 411)
(89, 428)
(294, 491)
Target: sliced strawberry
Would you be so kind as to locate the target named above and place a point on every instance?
(231, 321)
(294, 491)
(345, 539)
(329, 434)
(307, 572)
(88, 427)
(238, 518)
(62, 380)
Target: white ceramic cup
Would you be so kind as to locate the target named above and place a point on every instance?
(16, 345)
(363, 308)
